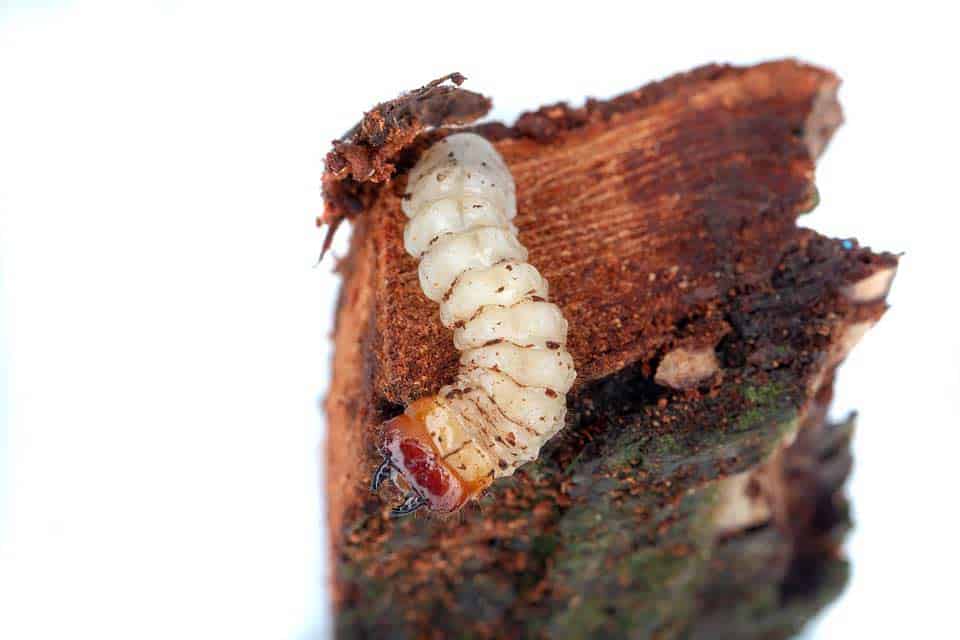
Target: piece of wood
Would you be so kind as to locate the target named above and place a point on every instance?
(768, 581)
(664, 218)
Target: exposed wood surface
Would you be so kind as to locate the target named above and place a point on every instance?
(640, 221)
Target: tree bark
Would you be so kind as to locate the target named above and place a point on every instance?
(696, 490)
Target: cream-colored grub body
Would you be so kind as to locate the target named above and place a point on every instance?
(509, 396)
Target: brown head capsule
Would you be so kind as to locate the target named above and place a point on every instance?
(412, 460)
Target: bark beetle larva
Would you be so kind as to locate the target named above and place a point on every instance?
(509, 396)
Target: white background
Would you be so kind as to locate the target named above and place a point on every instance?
(164, 332)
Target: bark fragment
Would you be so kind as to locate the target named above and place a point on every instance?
(685, 368)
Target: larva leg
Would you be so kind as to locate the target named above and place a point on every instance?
(509, 396)
(384, 471)
(410, 504)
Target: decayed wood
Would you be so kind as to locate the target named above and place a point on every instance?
(663, 219)
(769, 581)
(637, 221)
(366, 154)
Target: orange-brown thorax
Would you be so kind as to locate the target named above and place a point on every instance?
(416, 457)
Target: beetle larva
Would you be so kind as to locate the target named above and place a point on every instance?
(509, 396)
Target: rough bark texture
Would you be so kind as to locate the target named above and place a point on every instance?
(365, 156)
(663, 219)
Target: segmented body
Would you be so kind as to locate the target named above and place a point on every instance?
(509, 396)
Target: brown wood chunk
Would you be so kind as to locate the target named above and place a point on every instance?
(665, 222)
